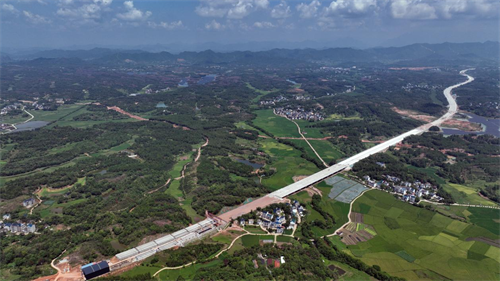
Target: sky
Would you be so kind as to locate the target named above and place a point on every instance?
(360, 23)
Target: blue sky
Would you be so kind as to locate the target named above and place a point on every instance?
(61, 23)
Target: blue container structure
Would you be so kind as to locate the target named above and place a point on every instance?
(92, 270)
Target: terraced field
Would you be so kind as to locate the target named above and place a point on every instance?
(415, 243)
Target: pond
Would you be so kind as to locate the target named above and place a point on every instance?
(252, 164)
(183, 83)
(207, 79)
(28, 126)
(161, 105)
(490, 126)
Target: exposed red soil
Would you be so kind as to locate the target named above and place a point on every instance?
(119, 110)
(247, 208)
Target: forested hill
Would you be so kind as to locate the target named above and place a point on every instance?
(415, 54)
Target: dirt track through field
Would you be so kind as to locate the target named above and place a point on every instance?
(119, 110)
(304, 138)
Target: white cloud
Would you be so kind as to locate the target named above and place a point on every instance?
(214, 25)
(170, 26)
(34, 18)
(88, 11)
(103, 2)
(351, 7)
(10, 8)
(263, 24)
(281, 11)
(241, 10)
(307, 11)
(262, 3)
(446, 9)
(412, 9)
(66, 2)
(484, 8)
(133, 14)
(326, 23)
(233, 9)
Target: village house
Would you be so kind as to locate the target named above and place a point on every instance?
(29, 202)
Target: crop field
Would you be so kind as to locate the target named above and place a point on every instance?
(415, 243)
(309, 132)
(467, 195)
(278, 126)
(487, 218)
(338, 210)
(262, 93)
(326, 149)
(287, 162)
(62, 111)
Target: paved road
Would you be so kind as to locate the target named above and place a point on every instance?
(319, 176)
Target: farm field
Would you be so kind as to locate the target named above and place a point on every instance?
(324, 148)
(467, 195)
(262, 93)
(50, 116)
(309, 132)
(278, 126)
(416, 243)
(337, 209)
(287, 162)
(462, 193)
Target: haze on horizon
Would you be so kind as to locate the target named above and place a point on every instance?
(186, 24)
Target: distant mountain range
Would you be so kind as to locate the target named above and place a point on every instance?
(409, 55)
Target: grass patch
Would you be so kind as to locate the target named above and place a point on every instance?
(286, 239)
(250, 240)
(255, 229)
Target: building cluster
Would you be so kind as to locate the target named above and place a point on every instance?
(281, 98)
(410, 86)
(28, 203)
(274, 100)
(408, 191)
(16, 227)
(6, 109)
(38, 106)
(298, 113)
(495, 105)
(275, 221)
(337, 70)
(6, 127)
